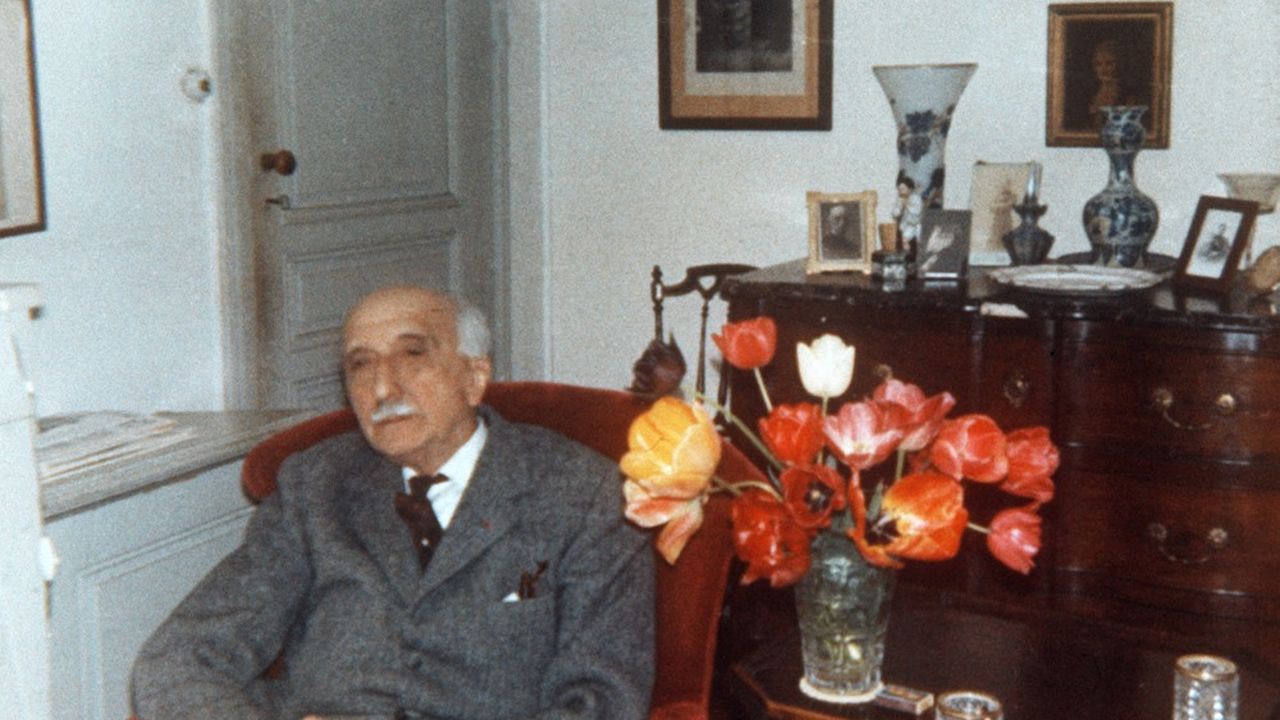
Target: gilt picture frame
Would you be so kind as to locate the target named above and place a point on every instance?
(744, 65)
(21, 183)
(1220, 232)
(842, 231)
(1103, 54)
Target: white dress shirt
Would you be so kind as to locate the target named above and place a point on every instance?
(445, 496)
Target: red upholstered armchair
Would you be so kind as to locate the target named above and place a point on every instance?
(689, 594)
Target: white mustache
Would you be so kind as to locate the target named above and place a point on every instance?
(391, 410)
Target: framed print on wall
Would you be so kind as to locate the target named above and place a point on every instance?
(744, 64)
(842, 231)
(997, 187)
(1107, 54)
(21, 188)
(1211, 253)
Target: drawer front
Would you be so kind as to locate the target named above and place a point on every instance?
(1173, 538)
(1163, 399)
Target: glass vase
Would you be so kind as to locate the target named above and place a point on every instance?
(843, 607)
(923, 98)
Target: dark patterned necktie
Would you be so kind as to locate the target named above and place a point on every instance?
(415, 509)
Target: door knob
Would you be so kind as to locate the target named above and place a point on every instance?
(281, 161)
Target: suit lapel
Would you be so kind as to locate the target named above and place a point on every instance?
(488, 508)
(377, 526)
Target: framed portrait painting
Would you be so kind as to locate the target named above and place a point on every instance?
(842, 230)
(1219, 233)
(21, 188)
(744, 64)
(944, 244)
(1104, 54)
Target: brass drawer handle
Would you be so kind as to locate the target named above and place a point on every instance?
(1016, 387)
(1173, 545)
(1162, 399)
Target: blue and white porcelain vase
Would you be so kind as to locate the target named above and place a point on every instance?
(923, 98)
(1120, 221)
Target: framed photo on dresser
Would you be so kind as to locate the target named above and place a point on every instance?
(842, 231)
(1220, 232)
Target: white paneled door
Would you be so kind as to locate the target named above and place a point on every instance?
(363, 149)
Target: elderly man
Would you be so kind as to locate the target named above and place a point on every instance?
(534, 601)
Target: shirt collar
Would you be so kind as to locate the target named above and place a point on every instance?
(462, 463)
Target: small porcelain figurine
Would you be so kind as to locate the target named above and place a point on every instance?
(907, 209)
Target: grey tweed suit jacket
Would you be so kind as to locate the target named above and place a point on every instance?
(328, 572)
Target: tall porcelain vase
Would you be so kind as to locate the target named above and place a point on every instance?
(1121, 220)
(923, 98)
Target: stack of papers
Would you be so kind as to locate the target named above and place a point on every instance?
(66, 443)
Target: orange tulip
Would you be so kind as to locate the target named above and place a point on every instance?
(673, 452)
(748, 344)
(928, 517)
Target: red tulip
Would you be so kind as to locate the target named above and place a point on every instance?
(924, 414)
(812, 493)
(971, 446)
(1015, 537)
(766, 538)
(793, 433)
(1033, 459)
(748, 344)
(864, 433)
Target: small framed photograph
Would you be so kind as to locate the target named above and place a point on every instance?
(1107, 54)
(842, 231)
(744, 64)
(944, 243)
(1211, 253)
(21, 188)
(996, 188)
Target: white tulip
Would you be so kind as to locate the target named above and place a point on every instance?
(826, 366)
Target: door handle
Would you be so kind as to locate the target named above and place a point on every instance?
(281, 162)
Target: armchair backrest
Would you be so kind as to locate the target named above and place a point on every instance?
(690, 594)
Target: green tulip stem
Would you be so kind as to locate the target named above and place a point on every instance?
(979, 528)
(737, 422)
(902, 461)
(764, 392)
(736, 487)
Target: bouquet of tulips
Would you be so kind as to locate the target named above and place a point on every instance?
(825, 469)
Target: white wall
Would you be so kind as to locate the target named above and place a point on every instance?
(623, 195)
(127, 265)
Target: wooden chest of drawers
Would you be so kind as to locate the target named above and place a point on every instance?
(1168, 421)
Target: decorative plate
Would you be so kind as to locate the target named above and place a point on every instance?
(1075, 279)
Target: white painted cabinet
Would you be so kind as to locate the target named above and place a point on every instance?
(134, 537)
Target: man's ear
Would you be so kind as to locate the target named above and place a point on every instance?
(479, 372)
